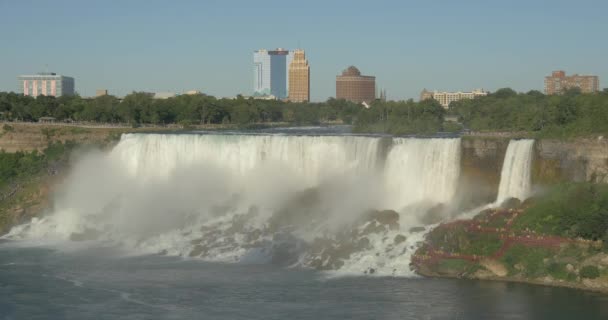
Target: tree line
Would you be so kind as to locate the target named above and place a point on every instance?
(505, 110)
(141, 108)
(569, 114)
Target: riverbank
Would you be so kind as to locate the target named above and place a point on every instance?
(504, 244)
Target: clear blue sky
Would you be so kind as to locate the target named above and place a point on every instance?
(207, 45)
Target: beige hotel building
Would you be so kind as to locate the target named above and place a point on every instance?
(445, 98)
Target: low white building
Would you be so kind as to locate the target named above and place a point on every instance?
(445, 98)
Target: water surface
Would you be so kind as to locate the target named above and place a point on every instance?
(45, 283)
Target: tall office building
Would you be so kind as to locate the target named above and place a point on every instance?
(271, 72)
(352, 86)
(47, 84)
(558, 83)
(299, 77)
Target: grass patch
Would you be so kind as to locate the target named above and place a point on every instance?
(482, 244)
(559, 271)
(530, 259)
(569, 210)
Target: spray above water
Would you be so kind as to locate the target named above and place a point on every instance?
(328, 202)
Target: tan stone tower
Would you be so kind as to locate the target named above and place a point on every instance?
(299, 78)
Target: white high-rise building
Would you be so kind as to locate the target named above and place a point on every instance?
(271, 72)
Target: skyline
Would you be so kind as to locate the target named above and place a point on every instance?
(157, 46)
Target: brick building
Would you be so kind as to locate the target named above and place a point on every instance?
(352, 86)
(558, 83)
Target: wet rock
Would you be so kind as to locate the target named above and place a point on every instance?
(253, 235)
(363, 244)
(389, 218)
(197, 241)
(417, 229)
(197, 251)
(373, 227)
(511, 203)
(399, 239)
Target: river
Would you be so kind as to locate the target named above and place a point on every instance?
(232, 225)
(47, 283)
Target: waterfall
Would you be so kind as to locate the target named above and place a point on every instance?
(231, 197)
(422, 170)
(515, 179)
(311, 158)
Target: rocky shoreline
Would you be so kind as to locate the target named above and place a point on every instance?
(488, 247)
(588, 286)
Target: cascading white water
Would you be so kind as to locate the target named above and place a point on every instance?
(422, 170)
(165, 192)
(515, 181)
(311, 158)
(419, 174)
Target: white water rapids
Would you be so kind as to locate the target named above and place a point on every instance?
(298, 200)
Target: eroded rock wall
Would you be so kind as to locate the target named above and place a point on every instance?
(554, 161)
(577, 160)
(481, 163)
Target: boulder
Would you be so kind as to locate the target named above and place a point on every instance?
(386, 217)
(399, 239)
(417, 229)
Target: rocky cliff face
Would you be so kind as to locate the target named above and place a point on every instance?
(579, 160)
(554, 161)
(481, 163)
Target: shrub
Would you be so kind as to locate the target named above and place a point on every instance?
(589, 272)
(8, 128)
(558, 271)
(532, 259)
